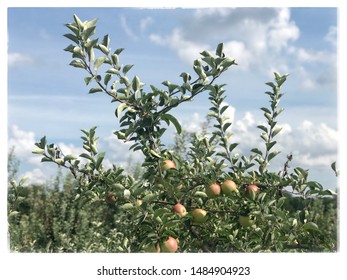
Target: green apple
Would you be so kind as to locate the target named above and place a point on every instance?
(180, 209)
(199, 216)
(246, 221)
(170, 245)
(139, 202)
(152, 248)
(228, 187)
(213, 190)
(168, 164)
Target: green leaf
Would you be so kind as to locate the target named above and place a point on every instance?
(78, 22)
(257, 151)
(77, 64)
(266, 110)
(126, 206)
(224, 108)
(126, 68)
(272, 155)
(73, 27)
(173, 120)
(120, 108)
(149, 197)
(233, 146)
(118, 51)
(98, 62)
(276, 131)
(333, 166)
(263, 128)
(99, 160)
(69, 157)
(226, 126)
(38, 151)
(88, 32)
(72, 38)
(87, 80)
(115, 59)
(84, 155)
(200, 194)
(94, 90)
(327, 192)
(104, 49)
(107, 79)
(281, 201)
(219, 50)
(206, 54)
(310, 226)
(270, 145)
(136, 84)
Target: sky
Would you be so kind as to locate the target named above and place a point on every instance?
(47, 97)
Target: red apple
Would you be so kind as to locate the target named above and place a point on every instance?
(213, 190)
(110, 198)
(228, 187)
(199, 216)
(180, 209)
(170, 245)
(246, 221)
(251, 191)
(168, 164)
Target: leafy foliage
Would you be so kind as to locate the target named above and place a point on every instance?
(108, 210)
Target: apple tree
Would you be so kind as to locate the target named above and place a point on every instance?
(209, 199)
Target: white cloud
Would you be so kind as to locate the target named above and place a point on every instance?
(118, 151)
(36, 176)
(127, 29)
(331, 36)
(18, 59)
(23, 143)
(260, 39)
(145, 23)
(186, 50)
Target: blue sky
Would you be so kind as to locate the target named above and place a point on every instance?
(48, 97)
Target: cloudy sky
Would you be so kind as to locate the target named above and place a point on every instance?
(48, 97)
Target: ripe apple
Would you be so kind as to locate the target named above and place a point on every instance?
(152, 248)
(168, 164)
(110, 198)
(251, 191)
(246, 221)
(199, 216)
(180, 209)
(170, 245)
(139, 202)
(213, 190)
(228, 187)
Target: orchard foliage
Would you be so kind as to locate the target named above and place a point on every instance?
(253, 217)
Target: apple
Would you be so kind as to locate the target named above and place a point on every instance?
(168, 164)
(110, 198)
(251, 191)
(213, 190)
(170, 245)
(180, 209)
(246, 221)
(228, 187)
(199, 216)
(139, 202)
(152, 248)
